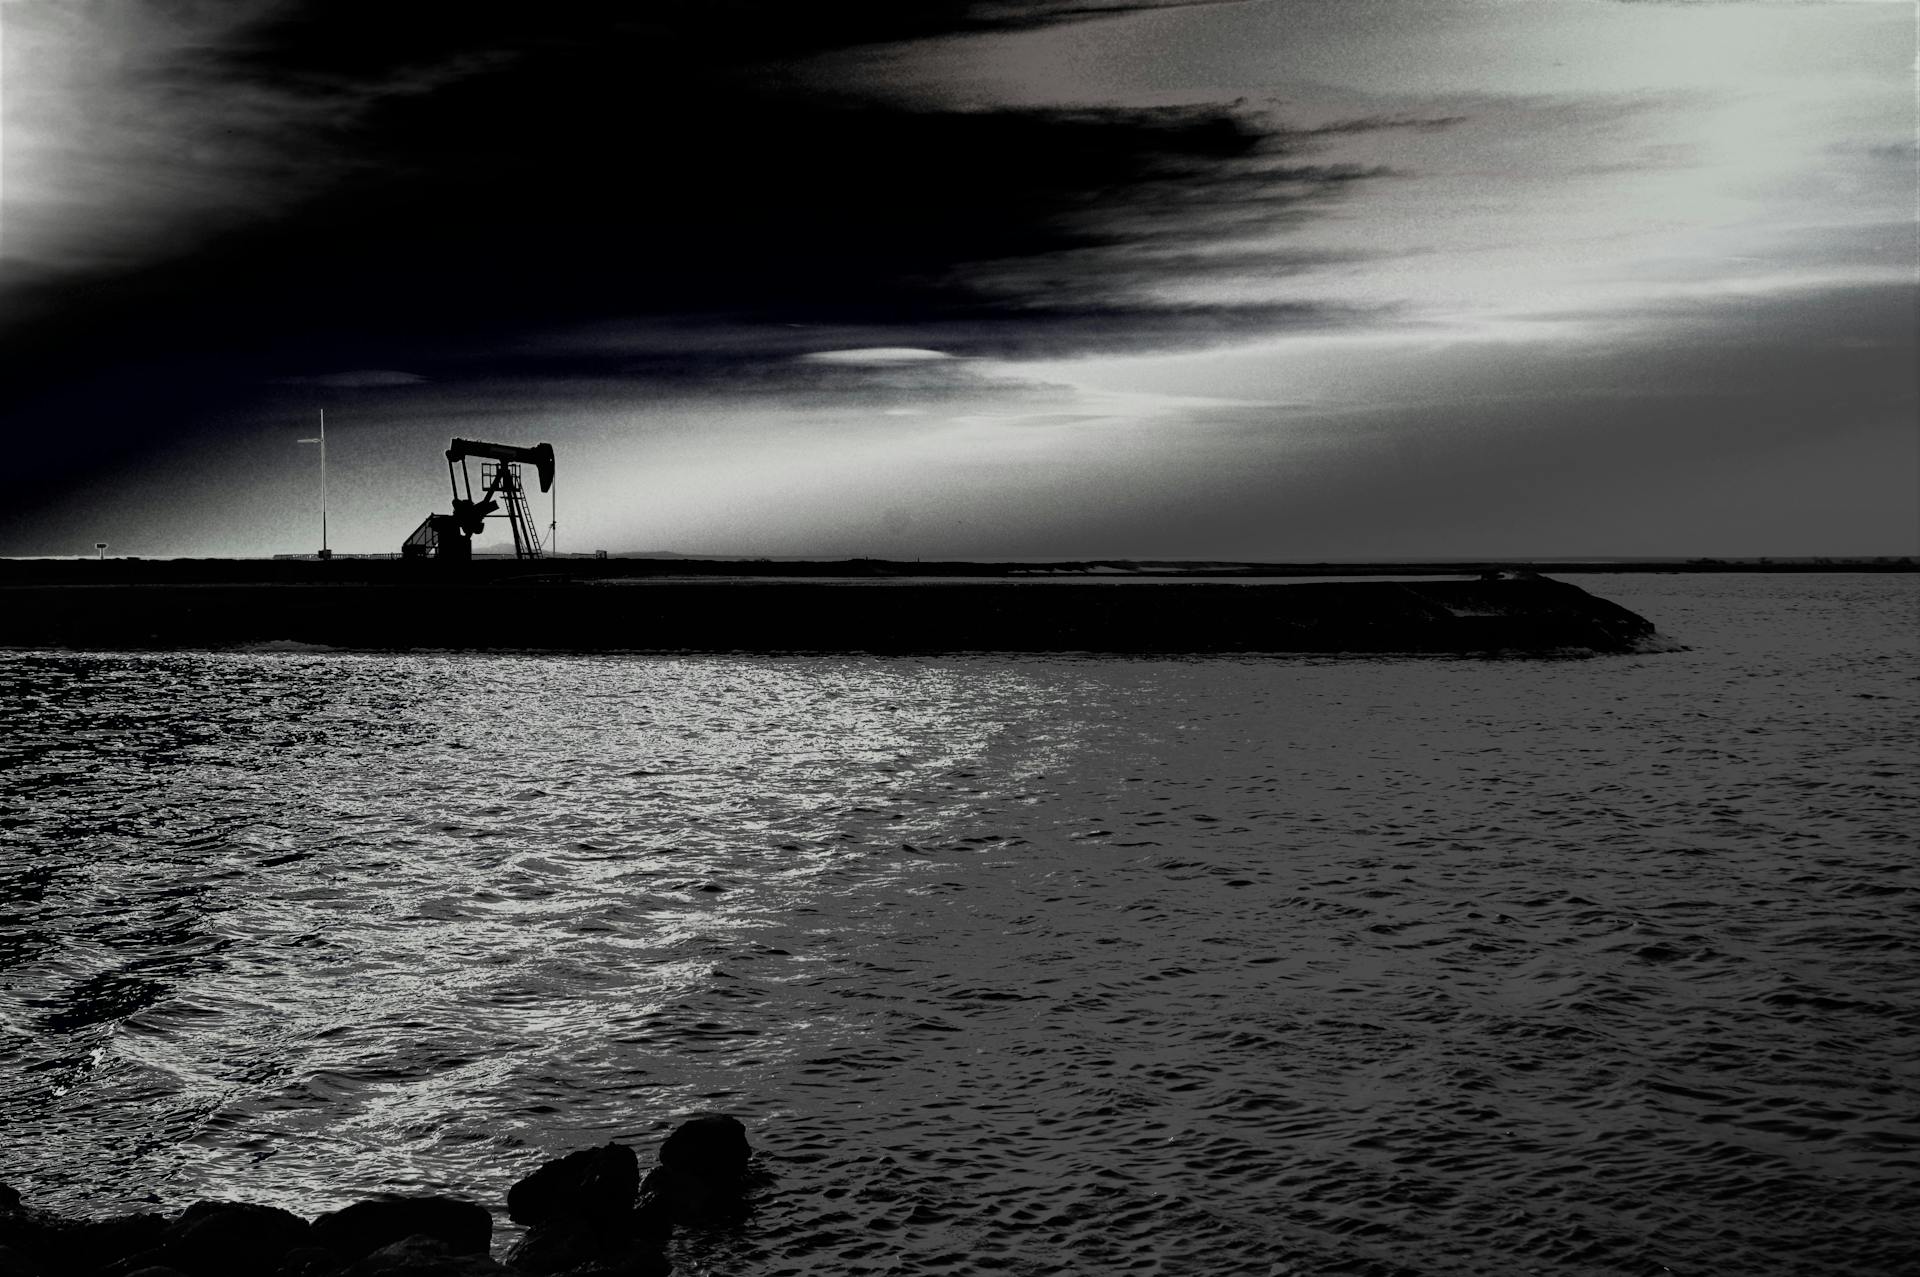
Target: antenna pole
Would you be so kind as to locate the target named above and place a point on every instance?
(323, 483)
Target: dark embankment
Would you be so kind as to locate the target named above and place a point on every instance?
(380, 605)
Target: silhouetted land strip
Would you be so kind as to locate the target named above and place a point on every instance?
(770, 608)
(385, 569)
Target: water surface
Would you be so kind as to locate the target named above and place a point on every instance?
(1042, 965)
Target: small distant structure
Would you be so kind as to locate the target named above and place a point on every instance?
(321, 439)
(99, 551)
(450, 536)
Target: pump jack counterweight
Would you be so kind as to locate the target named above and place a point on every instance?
(450, 536)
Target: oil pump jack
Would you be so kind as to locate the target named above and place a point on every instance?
(450, 536)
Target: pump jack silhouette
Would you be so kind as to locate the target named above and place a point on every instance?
(449, 537)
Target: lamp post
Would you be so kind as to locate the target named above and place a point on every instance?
(321, 439)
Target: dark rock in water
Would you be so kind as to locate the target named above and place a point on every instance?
(714, 1147)
(594, 1184)
(18, 1263)
(22, 1243)
(554, 1249)
(232, 1239)
(582, 1213)
(632, 1244)
(9, 1197)
(55, 1245)
(702, 1171)
(689, 1200)
(101, 1243)
(364, 1227)
(25, 1234)
(424, 1257)
(310, 1261)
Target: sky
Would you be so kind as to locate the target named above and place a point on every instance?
(1276, 279)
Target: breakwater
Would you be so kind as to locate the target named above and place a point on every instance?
(362, 607)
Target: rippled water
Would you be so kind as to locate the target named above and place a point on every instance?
(1061, 965)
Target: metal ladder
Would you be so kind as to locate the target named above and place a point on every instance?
(503, 477)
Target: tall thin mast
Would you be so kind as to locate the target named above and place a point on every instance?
(323, 483)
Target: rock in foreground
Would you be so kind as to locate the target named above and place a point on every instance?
(588, 1215)
(464, 1228)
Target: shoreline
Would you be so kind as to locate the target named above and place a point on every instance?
(1503, 613)
(387, 569)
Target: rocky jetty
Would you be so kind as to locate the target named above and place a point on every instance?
(588, 1214)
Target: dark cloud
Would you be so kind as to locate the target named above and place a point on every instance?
(463, 186)
(358, 379)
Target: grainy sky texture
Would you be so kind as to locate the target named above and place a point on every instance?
(1279, 279)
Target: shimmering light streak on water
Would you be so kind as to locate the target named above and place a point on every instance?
(1048, 965)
